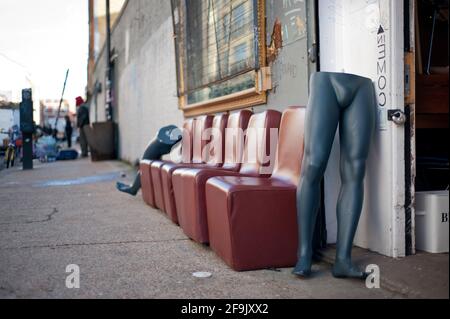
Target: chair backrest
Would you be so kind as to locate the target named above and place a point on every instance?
(216, 140)
(201, 124)
(235, 138)
(186, 142)
(290, 145)
(259, 152)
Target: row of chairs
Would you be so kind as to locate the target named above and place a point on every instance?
(243, 206)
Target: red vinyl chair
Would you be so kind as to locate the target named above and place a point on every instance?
(189, 184)
(200, 158)
(146, 183)
(252, 221)
(145, 165)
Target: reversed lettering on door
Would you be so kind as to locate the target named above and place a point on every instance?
(381, 83)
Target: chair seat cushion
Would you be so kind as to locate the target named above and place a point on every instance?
(252, 221)
(157, 184)
(231, 184)
(189, 189)
(147, 183)
(167, 171)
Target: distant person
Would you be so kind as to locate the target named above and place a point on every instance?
(82, 121)
(69, 131)
(16, 139)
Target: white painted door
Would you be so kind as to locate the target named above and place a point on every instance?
(365, 37)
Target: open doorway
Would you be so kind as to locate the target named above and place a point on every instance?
(432, 107)
(430, 134)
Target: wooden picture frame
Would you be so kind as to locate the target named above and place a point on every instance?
(239, 100)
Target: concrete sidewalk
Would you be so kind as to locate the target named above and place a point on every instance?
(420, 276)
(70, 213)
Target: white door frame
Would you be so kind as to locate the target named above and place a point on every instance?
(398, 132)
(352, 41)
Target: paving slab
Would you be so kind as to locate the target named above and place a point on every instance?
(422, 275)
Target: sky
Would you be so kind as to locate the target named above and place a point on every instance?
(39, 41)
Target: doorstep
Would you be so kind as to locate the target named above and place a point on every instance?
(423, 275)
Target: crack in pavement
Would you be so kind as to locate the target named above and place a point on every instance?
(97, 244)
(48, 218)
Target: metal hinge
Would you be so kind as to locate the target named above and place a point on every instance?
(410, 78)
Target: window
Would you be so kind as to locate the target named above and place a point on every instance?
(220, 48)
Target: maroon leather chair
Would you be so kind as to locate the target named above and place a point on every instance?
(189, 184)
(253, 221)
(146, 183)
(145, 165)
(199, 159)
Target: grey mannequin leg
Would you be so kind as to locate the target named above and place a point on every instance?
(152, 152)
(321, 123)
(132, 189)
(356, 129)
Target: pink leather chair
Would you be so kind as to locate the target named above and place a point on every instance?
(199, 159)
(189, 184)
(253, 221)
(145, 165)
(146, 183)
